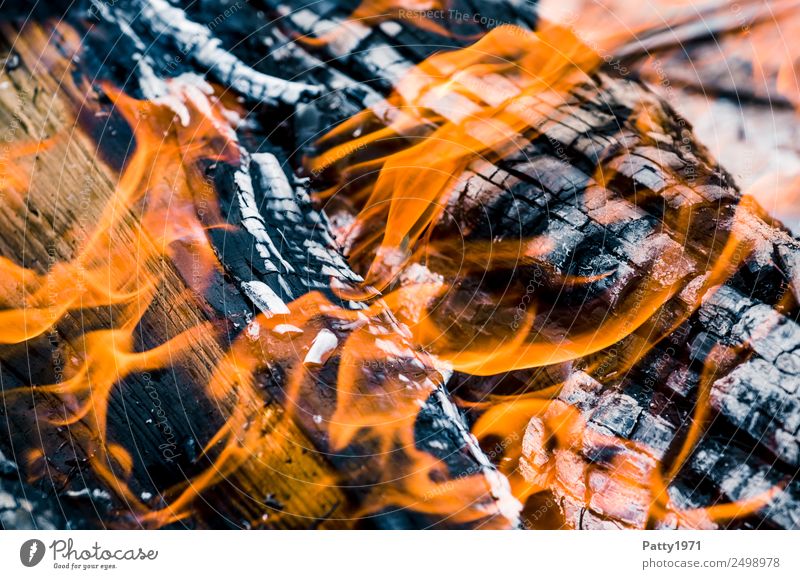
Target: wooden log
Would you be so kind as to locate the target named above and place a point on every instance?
(599, 228)
(658, 175)
(49, 230)
(286, 484)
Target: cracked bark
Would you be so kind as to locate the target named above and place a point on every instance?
(549, 189)
(282, 251)
(752, 443)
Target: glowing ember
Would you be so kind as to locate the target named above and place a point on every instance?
(443, 298)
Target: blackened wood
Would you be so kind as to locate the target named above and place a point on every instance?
(617, 124)
(304, 258)
(549, 189)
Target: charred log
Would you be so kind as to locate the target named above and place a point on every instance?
(666, 214)
(551, 188)
(257, 198)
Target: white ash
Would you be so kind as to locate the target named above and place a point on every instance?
(253, 222)
(196, 43)
(287, 330)
(253, 331)
(264, 298)
(321, 348)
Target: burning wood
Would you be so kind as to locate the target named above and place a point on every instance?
(362, 281)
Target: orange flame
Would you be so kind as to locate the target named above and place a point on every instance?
(14, 184)
(474, 103)
(454, 109)
(157, 198)
(419, 13)
(399, 163)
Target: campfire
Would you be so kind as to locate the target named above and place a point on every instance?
(392, 264)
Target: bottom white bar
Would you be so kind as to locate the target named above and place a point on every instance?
(402, 554)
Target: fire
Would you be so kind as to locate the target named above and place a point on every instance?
(451, 100)
(751, 32)
(382, 380)
(399, 165)
(155, 184)
(381, 384)
(414, 184)
(157, 198)
(415, 11)
(677, 45)
(423, 14)
(14, 184)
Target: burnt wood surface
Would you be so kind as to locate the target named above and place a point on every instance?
(661, 175)
(291, 491)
